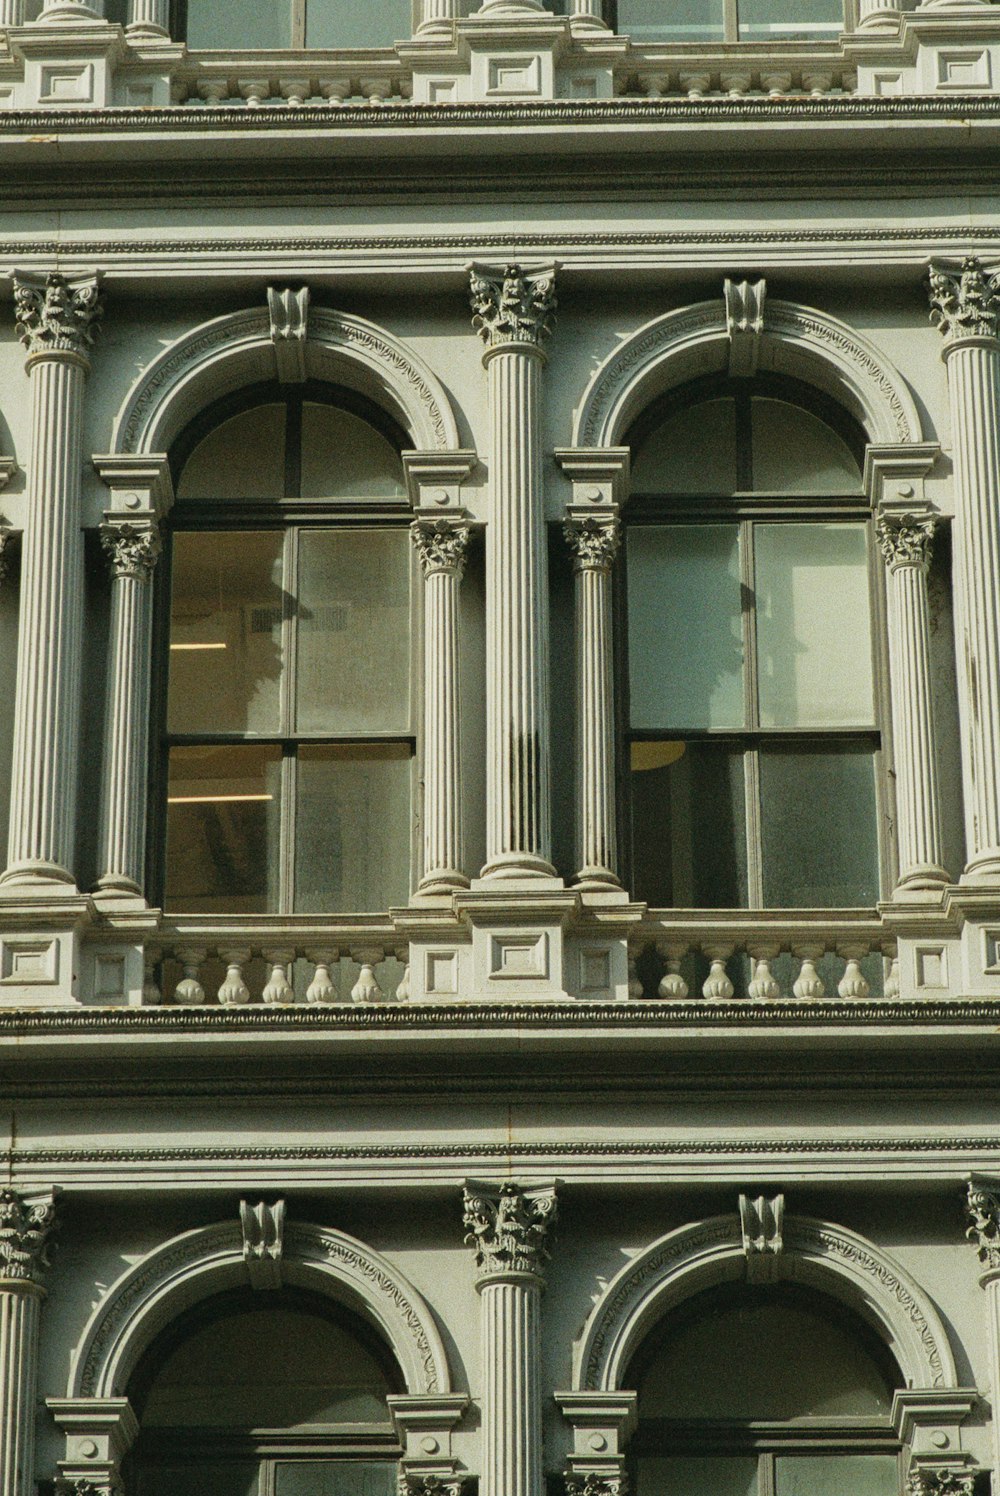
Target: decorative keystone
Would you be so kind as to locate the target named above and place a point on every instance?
(26, 1226)
(593, 542)
(744, 302)
(441, 546)
(263, 1228)
(508, 1229)
(906, 539)
(761, 1222)
(512, 305)
(55, 315)
(966, 304)
(132, 550)
(982, 1205)
(288, 312)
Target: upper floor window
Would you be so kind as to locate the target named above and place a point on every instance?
(270, 24)
(728, 20)
(288, 735)
(753, 716)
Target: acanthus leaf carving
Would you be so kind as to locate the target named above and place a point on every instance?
(597, 1483)
(906, 539)
(982, 1205)
(57, 315)
(509, 1228)
(593, 542)
(513, 305)
(441, 545)
(966, 304)
(132, 549)
(420, 1483)
(26, 1228)
(924, 1481)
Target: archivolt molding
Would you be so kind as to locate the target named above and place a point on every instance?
(829, 1258)
(796, 340)
(230, 352)
(209, 1260)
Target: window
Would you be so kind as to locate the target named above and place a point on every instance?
(753, 717)
(273, 24)
(287, 1399)
(288, 740)
(799, 1405)
(729, 20)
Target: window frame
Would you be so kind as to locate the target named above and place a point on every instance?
(292, 516)
(745, 508)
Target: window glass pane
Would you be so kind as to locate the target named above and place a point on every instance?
(814, 645)
(267, 1368)
(684, 627)
(243, 458)
(822, 1370)
(197, 1477)
(694, 451)
(689, 826)
(116, 11)
(225, 632)
(344, 457)
(795, 452)
(346, 23)
(673, 21)
(335, 1478)
(790, 20)
(354, 631)
(833, 1474)
(703, 1475)
(223, 808)
(352, 845)
(234, 23)
(819, 829)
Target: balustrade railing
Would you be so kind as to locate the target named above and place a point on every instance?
(290, 81)
(716, 77)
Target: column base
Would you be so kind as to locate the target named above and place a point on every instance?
(597, 880)
(42, 878)
(518, 865)
(984, 868)
(441, 882)
(922, 883)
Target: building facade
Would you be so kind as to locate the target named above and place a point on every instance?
(500, 737)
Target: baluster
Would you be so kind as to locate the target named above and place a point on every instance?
(151, 994)
(892, 987)
(403, 990)
(764, 987)
(366, 989)
(853, 985)
(635, 988)
(673, 987)
(189, 992)
(809, 984)
(234, 992)
(278, 989)
(255, 90)
(296, 91)
(718, 987)
(321, 988)
(214, 91)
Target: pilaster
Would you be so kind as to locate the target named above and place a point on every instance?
(513, 311)
(983, 1210)
(26, 1226)
(965, 306)
(55, 321)
(508, 1229)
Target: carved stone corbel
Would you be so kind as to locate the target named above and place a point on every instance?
(289, 314)
(263, 1229)
(761, 1222)
(745, 324)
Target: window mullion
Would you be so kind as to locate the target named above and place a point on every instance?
(731, 20)
(751, 759)
(765, 1474)
(289, 761)
(298, 22)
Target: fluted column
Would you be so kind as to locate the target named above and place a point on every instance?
(589, 12)
(508, 1229)
(441, 546)
(906, 540)
(438, 13)
(149, 17)
(965, 306)
(11, 12)
(55, 321)
(25, 1228)
(132, 549)
(594, 544)
(983, 1207)
(875, 13)
(513, 312)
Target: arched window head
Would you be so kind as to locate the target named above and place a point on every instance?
(764, 1392)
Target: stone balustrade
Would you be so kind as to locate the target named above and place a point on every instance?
(717, 76)
(290, 82)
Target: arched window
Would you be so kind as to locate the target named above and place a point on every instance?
(274, 1395)
(764, 1391)
(287, 738)
(753, 716)
(269, 24)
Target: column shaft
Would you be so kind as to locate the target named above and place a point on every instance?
(512, 1403)
(126, 743)
(150, 16)
(517, 680)
(436, 11)
(588, 10)
(991, 1287)
(47, 709)
(875, 12)
(19, 1316)
(594, 544)
(11, 12)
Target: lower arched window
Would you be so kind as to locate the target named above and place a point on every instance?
(768, 1391)
(285, 1397)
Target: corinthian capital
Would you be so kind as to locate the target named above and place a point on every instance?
(597, 1483)
(25, 1229)
(55, 315)
(941, 1482)
(593, 542)
(966, 304)
(513, 305)
(906, 539)
(132, 549)
(508, 1229)
(441, 545)
(983, 1208)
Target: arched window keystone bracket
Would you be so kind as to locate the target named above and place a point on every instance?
(99, 1432)
(138, 485)
(601, 1425)
(895, 473)
(929, 1422)
(424, 1425)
